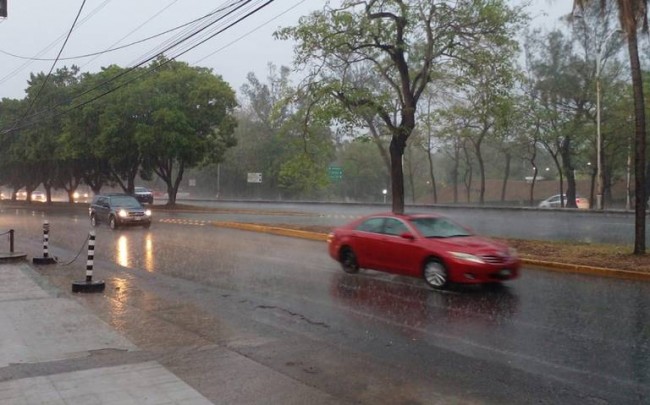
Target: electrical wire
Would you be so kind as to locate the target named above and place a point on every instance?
(249, 32)
(31, 105)
(53, 43)
(196, 43)
(188, 34)
(121, 74)
(134, 30)
(114, 48)
(170, 59)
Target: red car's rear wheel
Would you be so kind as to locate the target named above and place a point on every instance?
(349, 261)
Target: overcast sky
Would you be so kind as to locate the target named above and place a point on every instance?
(37, 28)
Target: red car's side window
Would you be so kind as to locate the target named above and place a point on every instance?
(373, 225)
(394, 227)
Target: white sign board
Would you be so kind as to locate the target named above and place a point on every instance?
(192, 182)
(254, 177)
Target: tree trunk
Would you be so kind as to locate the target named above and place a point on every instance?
(433, 178)
(468, 175)
(565, 152)
(639, 150)
(481, 168)
(506, 176)
(535, 171)
(397, 145)
(455, 169)
(592, 188)
(532, 187)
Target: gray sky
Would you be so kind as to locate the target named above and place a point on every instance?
(37, 28)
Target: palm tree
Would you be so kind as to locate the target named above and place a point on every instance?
(632, 15)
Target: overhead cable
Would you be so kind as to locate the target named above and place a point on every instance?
(53, 43)
(175, 44)
(33, 102)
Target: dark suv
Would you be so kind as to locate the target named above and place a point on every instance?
(118, 210)
(143, 194)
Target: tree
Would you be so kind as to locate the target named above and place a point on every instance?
(187, 119)
(633, 15)
(403, 44)
(562, 80)
(121, 112)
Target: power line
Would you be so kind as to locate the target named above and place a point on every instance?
(51, 45)
(180, 41)
(249, 32)
(121, 74)
(135, 29)
(112, 48)
(31, 105)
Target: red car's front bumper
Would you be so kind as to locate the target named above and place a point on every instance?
(473, 273)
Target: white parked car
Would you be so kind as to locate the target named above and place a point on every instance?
(38, 196)
(556, 202)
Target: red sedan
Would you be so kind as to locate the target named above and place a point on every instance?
(422, 245)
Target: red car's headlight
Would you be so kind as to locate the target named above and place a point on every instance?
(467, 257)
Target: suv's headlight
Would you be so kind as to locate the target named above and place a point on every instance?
(122, 213)
(467, 257)
(147, 213)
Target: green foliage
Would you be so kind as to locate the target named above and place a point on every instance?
(374, 60)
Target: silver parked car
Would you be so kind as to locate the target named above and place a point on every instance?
(556, 202)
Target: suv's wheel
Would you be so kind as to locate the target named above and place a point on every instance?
(435, 274)
(112, 222)
(349, 261)
(93, 220)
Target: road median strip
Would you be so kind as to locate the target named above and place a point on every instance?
(549, 265)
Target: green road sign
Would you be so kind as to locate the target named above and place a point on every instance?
(335, 173)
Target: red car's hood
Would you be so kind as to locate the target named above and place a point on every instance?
(468, 244)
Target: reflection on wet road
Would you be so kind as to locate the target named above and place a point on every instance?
(556, 338)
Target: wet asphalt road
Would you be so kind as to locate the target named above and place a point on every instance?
(367, 338)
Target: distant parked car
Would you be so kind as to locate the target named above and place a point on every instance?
(144, 195)
(556, 202)
(80, 196)
(38, 196)
(118, 210)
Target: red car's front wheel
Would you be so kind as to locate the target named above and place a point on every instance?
(435, 274)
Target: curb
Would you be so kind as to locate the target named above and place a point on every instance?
(595, 271)
(294, 233)
(544, 265)
(12, 257)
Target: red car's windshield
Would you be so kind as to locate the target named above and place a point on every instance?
(438, 228)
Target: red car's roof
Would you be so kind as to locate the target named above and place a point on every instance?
(405, 215)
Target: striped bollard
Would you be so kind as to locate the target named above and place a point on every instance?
(46, 259)
(88, 285)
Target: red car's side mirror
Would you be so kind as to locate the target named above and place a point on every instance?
(407, 235)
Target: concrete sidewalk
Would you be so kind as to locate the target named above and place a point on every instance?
(46, 339)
